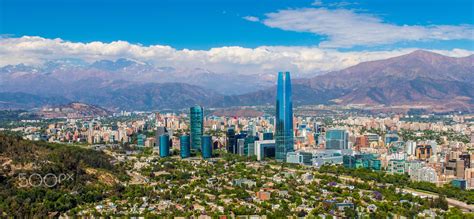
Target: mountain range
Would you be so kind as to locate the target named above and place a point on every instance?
(420, 78)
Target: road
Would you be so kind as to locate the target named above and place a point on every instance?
(451, 202)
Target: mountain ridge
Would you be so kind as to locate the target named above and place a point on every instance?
(417, 78)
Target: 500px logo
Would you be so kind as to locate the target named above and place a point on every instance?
(48, 180)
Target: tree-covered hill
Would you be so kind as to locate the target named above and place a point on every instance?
(39, 178)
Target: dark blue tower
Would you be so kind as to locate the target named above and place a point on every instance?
(231, 140)
(283, 117)
(185, 146)
(164, 145)
(206, 146)
(197, 126)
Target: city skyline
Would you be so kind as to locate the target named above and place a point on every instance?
(237, 109)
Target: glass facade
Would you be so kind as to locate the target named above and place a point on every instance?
(206, 146)
(267, 136)
(283, 117)
(197, 126)
(248, 145)
(231, 140)
(337, 139)
(185, 146)
(164, 145)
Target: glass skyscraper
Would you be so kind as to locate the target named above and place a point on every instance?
(283, 117)
(231, 140)
(164, 145)
(337, 139)
(206, 146)
(197, 126)
(185, 150)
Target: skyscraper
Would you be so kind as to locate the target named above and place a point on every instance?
(231, 140)
(206, 146)
(197, 126)
(284, 117)
(164, 145)
(160, 130)
(337, 139)
(184, 141)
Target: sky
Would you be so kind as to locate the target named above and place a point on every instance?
(233, 36)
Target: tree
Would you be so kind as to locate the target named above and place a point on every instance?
(350, 213)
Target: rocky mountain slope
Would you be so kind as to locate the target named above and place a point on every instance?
(420, 78)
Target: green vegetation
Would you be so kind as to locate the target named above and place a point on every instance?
(146, 185)
(432, 135)
(92, 177)
(401, 181)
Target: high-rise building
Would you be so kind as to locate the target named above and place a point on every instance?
(239, 143)
(284, 117)
(197, 126)
(249, 145)
(337, 139)
(240, 146)
(164, 145)
(206, 146)
(231, 140)
(185, 146)
(160, 130)
(141, 140)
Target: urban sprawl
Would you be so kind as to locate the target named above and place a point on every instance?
(192, 163)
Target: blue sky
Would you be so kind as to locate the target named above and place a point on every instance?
(229, 36)
(208, 24)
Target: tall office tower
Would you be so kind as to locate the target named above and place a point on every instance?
(337, 139)
(206, 146)
(197, 126)
(240, 146)
(284, 117)
(231, 140)
(164, 145)
(160, 130)
(240, 142)
(249, 145)
(185, 146)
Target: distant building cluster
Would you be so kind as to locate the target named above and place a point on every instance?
(426, 151)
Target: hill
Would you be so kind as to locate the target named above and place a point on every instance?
(73, 110)
(420, 78)
(415, 78)
(87, 176)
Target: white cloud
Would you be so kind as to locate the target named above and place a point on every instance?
(346, 28)
(317, 3)
(264, 59)
(251, 18)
